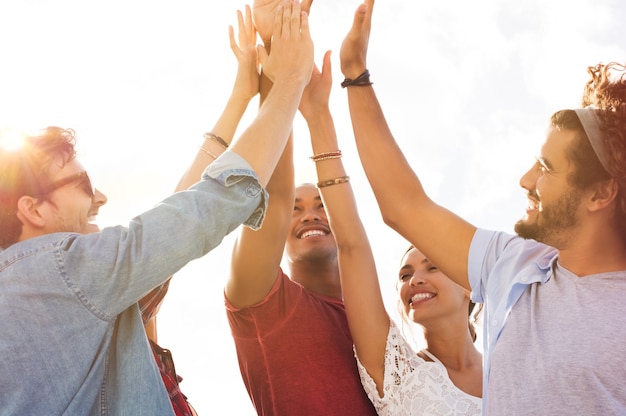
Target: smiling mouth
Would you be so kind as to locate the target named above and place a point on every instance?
(312, 233)
(418, 297)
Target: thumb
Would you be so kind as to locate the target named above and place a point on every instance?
(359, 15)
(326, 69)
(262, 54)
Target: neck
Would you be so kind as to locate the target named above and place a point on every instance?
(320, 276)
(598, 251)
(452, 344)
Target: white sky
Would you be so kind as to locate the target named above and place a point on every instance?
(467, 87)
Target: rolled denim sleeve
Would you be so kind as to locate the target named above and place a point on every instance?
(230, 169)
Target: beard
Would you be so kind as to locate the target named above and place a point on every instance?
(553, 223)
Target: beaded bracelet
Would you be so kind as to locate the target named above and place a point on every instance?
(326, 155)
(362, 80)
(218, 139)
(336, 181)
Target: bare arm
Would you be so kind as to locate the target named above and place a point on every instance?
(257, 254)
(441, 235)
(367, 317)
(289, 66)
(245, 88)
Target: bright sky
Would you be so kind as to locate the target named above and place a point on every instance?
(467, 87)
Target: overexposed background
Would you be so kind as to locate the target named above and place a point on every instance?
(467, 88)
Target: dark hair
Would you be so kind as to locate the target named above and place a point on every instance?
(472, 313)
(605, 91)
(23, 171)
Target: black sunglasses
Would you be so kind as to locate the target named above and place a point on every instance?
(85, 184)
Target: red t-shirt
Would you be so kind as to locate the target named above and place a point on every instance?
(295, 354)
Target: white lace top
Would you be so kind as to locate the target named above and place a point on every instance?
(414, 386)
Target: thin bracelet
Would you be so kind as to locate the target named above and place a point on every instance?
(362, 80)
(218, 139)
(326, 155)
(336, 181)
(207, 152)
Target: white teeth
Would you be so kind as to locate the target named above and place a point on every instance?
(312, 233)
(421, 296)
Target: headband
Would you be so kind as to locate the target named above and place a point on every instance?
(589, 119)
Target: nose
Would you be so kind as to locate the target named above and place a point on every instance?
(310, 215)
(417, 279)
(528, 180)
(99, 198)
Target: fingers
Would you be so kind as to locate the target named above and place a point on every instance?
(326, 67)
(304, 23)
(296, 12)
(250, 31)
(291, 19)
(360, 15)
(278, 21)
(368, 12)
(306, 6)
(233, 43)
(286, 22)
(247, 33)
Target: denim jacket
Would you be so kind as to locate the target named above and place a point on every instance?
(71, 337)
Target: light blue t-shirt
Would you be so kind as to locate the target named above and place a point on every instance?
(71, 337)
(554, 343)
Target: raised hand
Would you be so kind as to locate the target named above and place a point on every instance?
(317, 93)
(247, 81)
(353, 54)
(264, 11)
(291, 57)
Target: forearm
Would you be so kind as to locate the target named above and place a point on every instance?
(367, 317)
(440, 234)
(386, 167)
(210, 149)
(262, 143)
(257, 254)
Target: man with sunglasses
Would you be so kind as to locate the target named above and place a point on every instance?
(71, 336)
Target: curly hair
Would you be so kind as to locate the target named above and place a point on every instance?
(606, 92)
(23, 171)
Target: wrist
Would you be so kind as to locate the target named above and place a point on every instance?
(362, 80)
(353, 71)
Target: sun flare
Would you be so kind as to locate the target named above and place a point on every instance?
(11, 139)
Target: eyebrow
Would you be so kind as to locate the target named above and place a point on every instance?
(317, 198)
(408, 266)
(545, 162)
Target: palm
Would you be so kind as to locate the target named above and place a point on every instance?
(264, 12)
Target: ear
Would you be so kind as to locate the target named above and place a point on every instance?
(29, 213)
(603, 194)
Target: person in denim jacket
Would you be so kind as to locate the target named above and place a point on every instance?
(71, 334)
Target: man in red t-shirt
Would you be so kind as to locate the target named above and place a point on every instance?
(292, 337)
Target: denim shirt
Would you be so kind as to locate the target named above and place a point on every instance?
(71, 337)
